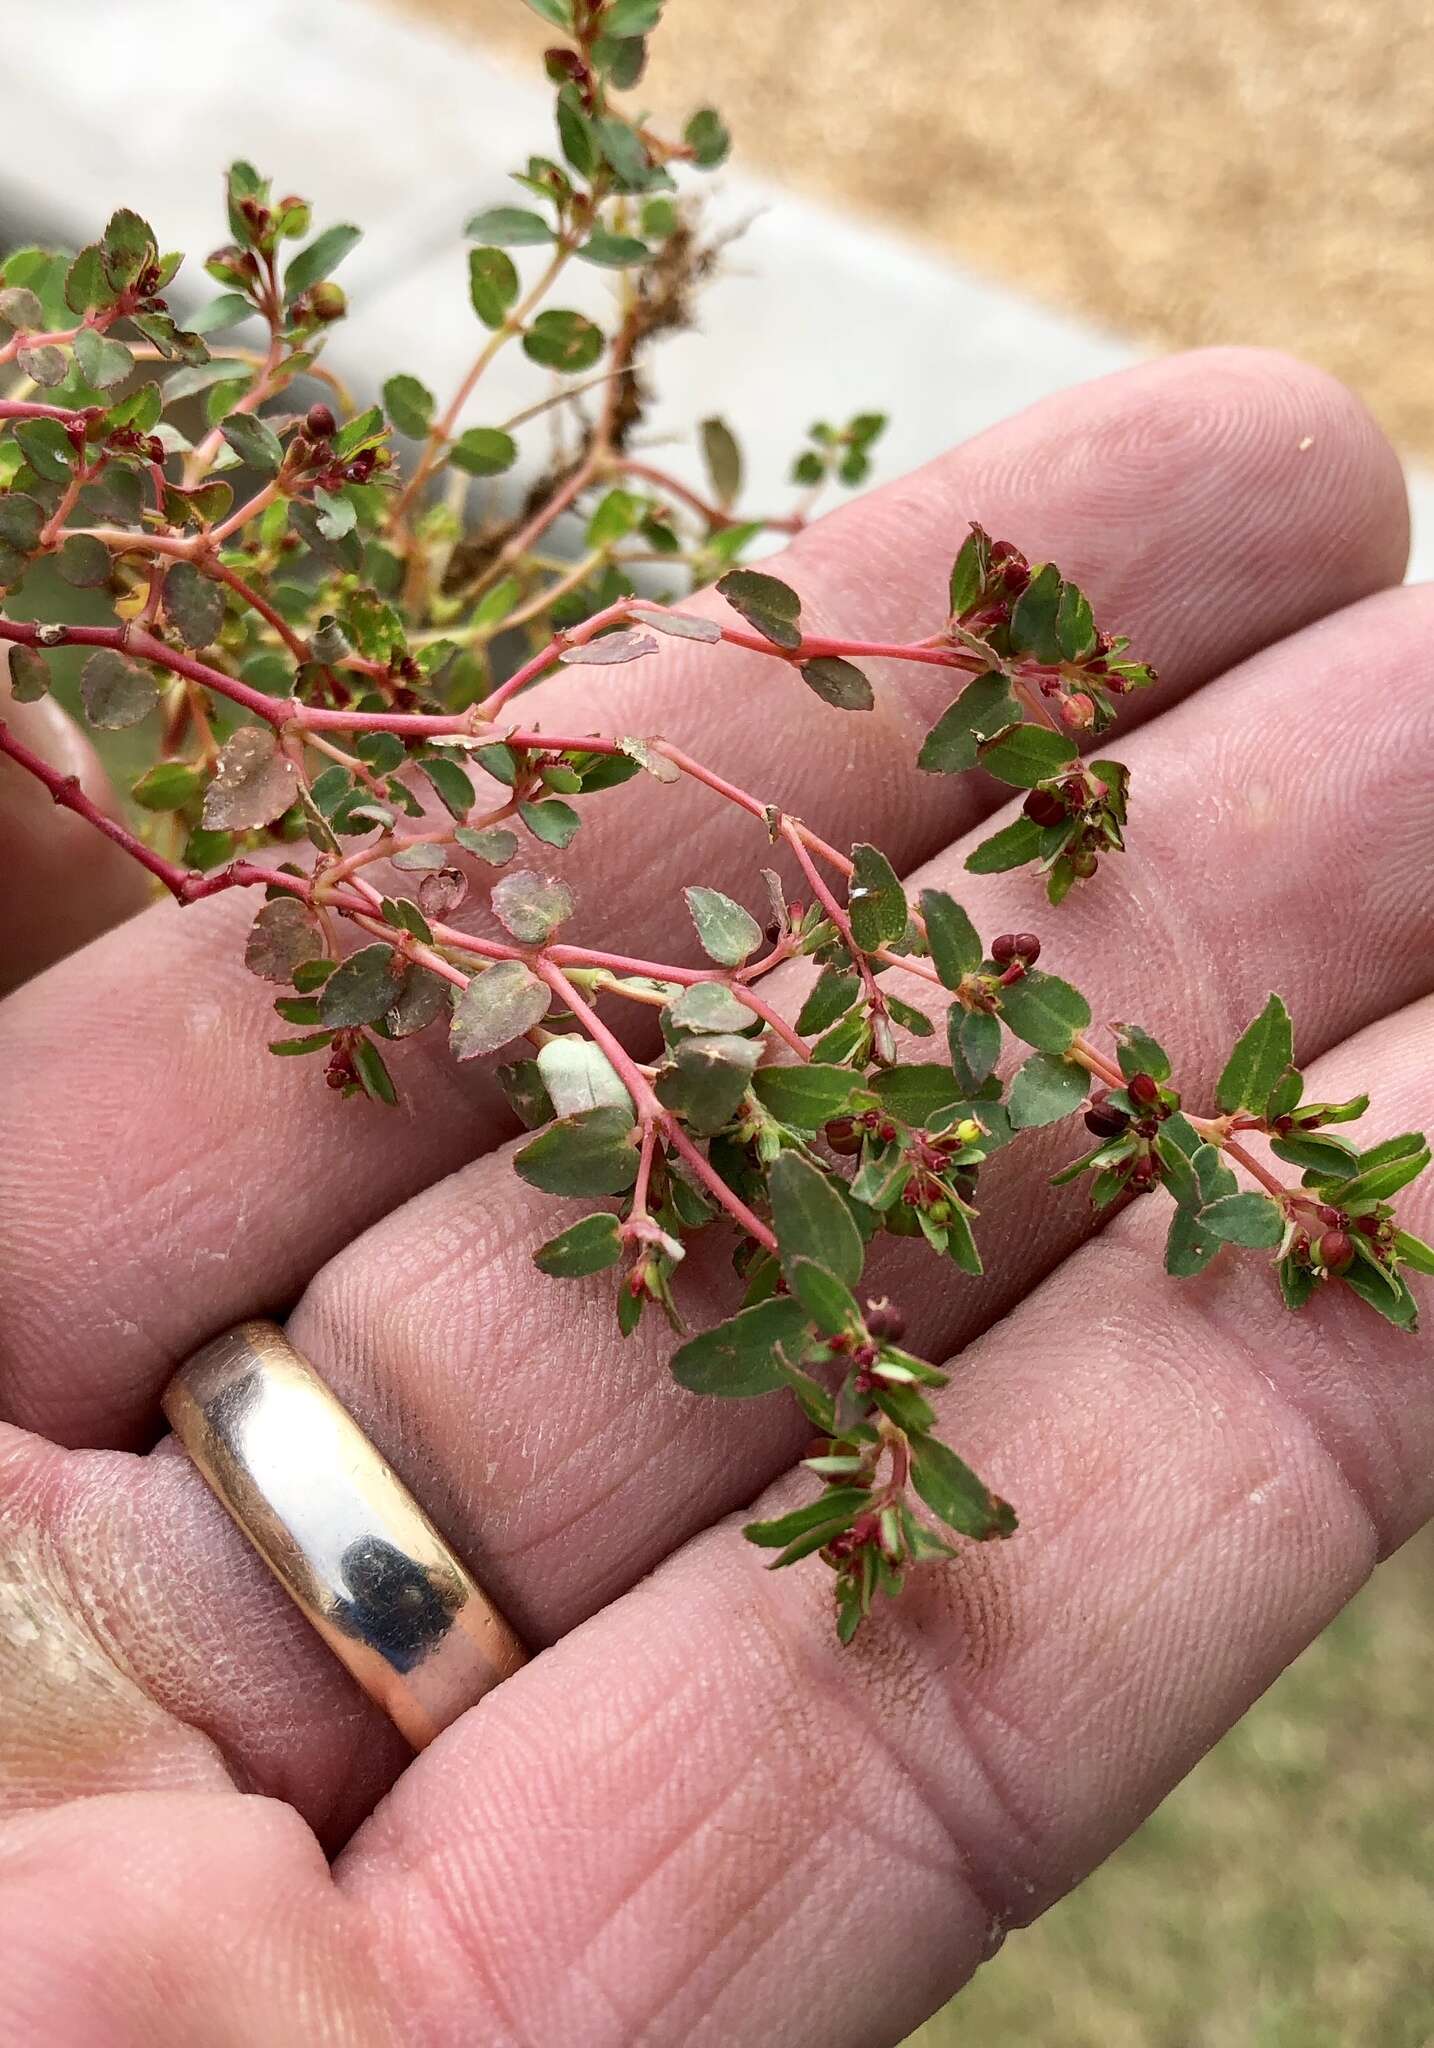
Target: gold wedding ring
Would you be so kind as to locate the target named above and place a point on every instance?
(339, 1530)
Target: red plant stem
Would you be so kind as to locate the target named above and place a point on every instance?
(145, 647)
(28, 409)
(66, 791)
(716, 518)
(265, 610)
(649, 1109)
(644, 1171)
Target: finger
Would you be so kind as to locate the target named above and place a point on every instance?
(562, 1462)
(699, 1807)
(195, 1181)
(64, 885)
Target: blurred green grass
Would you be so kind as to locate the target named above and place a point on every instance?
(1283, 1896)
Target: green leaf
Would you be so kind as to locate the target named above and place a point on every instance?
(709, 1006)
(552, 821)
(917, 1093)
(707, 138)
(837, 682)
(1385, 1292)
(1414, 1251)
(22, 519)
(29, 675)
(1139, 1053)
(968, 572)
(831, 1305)
(509, 227)
(47, 448)
(564, 341)
(1075, 624)
(1033, 618)
(410, 405)
(253, 784)
(831, 996)
(813, 1221)
(1297, 1283)
(254, 442)
(374, 1077)
(723, 457)
(1027, 754)
(483, 451)
(707, 1079)
(1247, 1219)
(167, 786)
(323, 256)
(492, 285)
(984, 708)
(806, 1097)
(836, 1507)
(360, 989)
(1178, 1172)
(502, 1003)
(1011, 847)
(613, 252)
(973, 1038)
(1260, 1058)
(454, 790)
(1190, 1246)
(84, 562)
(558, 13)
(876, 901)
(727, 932)
(588, 1246)
(766, 603)
(102, 362)
(1317, 1152)
(1044, 1010)
(114, 691)
(1045, 1090)
(956, 949)
(578, 1075)
(492, 844)
(531, 906)
(952, 1490)
(739, 1357)
(193, 604)
(1383, 1171)
(587, 1154)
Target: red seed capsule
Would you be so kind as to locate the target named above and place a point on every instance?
(1022, 946)
(1144, 1089)
(1078, 711)
(843, 1136)
(885, 1322)
(1336, 1249)
(1043, 807)
(319, 423)
(1104, 1121)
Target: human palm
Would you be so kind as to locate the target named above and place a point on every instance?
(694, 1817)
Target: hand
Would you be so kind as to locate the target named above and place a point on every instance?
(694, 1818)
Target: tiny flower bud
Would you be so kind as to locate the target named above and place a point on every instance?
(1336, 1250)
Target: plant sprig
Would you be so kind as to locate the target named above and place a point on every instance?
(321, 622)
